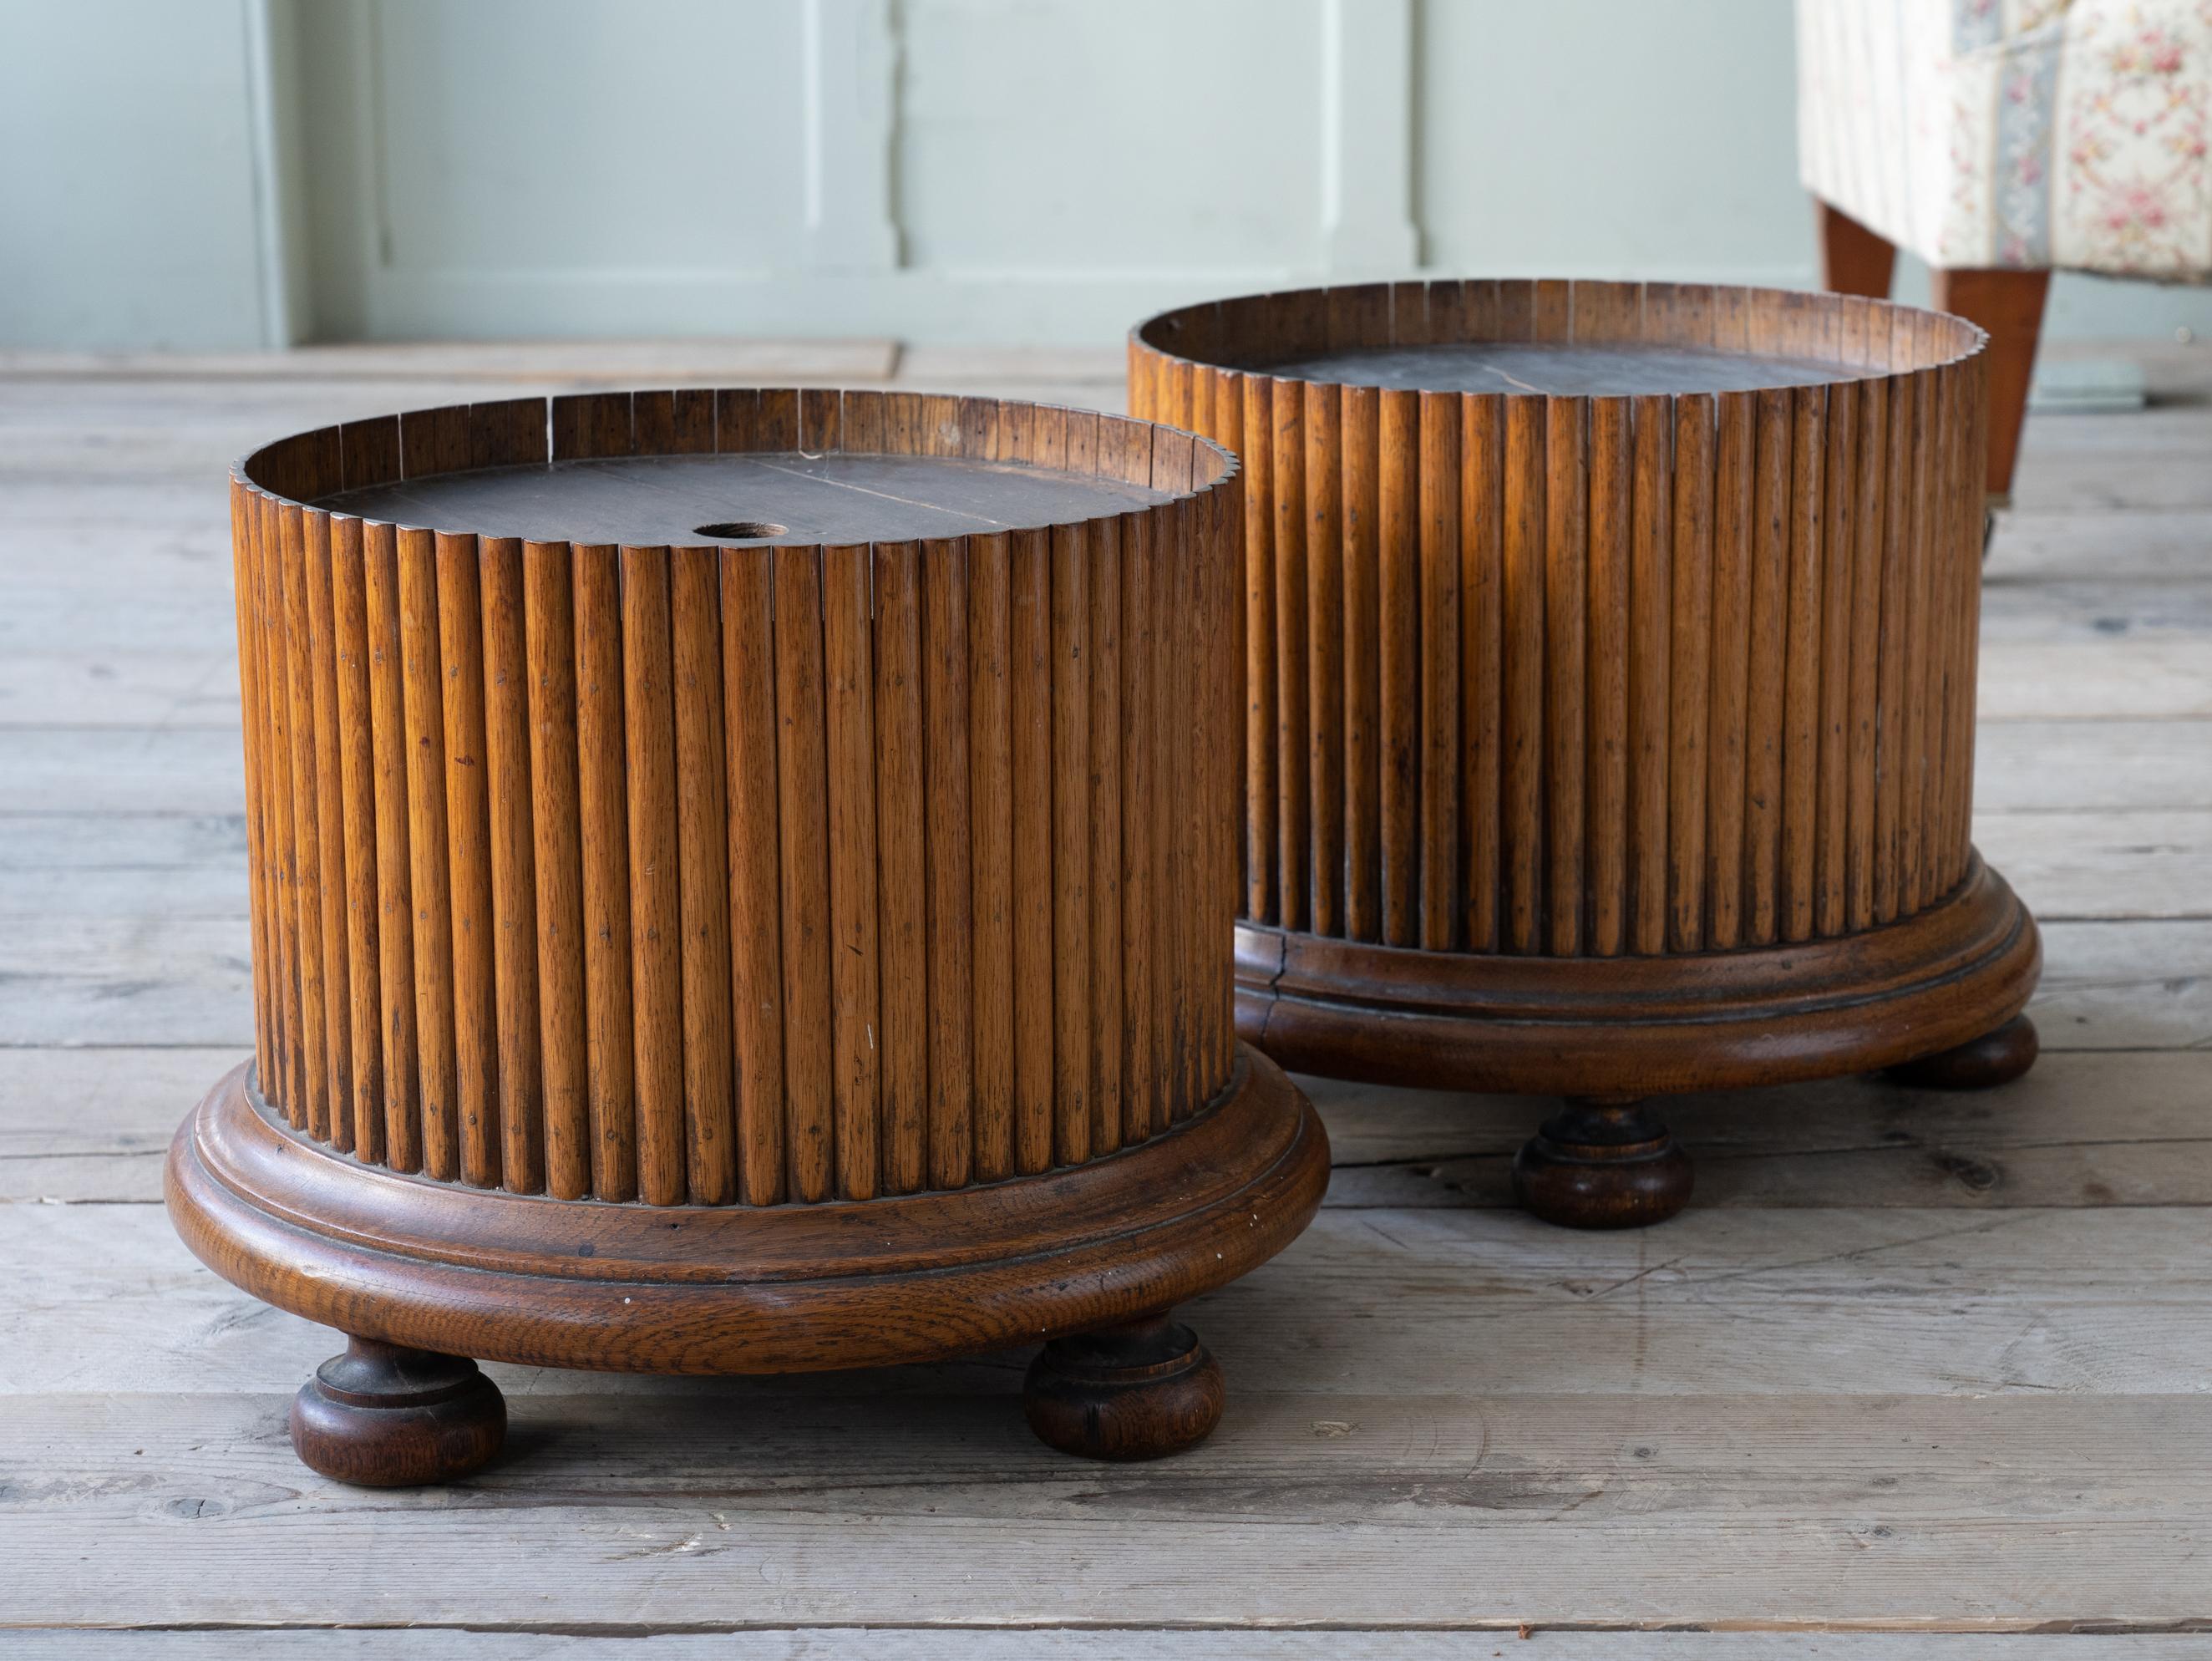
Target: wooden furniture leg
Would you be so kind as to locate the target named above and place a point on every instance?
(1994, 1058)
(382, 1416)
(2009, 307)
(1603, 1162)
(1134, 1392)
(1853, 259)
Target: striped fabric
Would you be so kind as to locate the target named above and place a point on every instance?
(2025, 133)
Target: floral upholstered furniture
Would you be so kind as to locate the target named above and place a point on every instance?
(2001, 140)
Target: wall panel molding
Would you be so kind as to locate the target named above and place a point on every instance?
(850, 78)
(1367, 91)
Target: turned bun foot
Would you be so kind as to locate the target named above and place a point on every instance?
(379, 1416)
(1135, 1391)
(1598, 1163)
(1994, 1058)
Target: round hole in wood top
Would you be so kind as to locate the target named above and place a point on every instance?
(740, 530)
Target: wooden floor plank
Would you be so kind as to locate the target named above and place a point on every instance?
(1327, 1642)
(1353, 1509)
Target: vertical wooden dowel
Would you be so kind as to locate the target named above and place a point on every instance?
(879, 979)
(1651, 672)
(991, 854)
(603, 826)
(514, 861)
(703, 857)
(1071, 843)
(1263, 784)
(1359, 426)
(1565, 579)
(1896, 604)
(1734, 501)
(1767, 692)
(1294, 683)
(1482, 657)
(900, 859)
(306, 865)
(252, 721)
(1523, 745)
(1029, 651)
(1398, 605)
(430, 877)
(656, 932)
(555, 824)
(287, 1089)
(1838, 559)
(1617, 468)
(1108, 1020)
(357, 770)
(476, 1041)
(1441, 756)
(749, 727)
(947, 723)
(395, 902)
(1690, 672)
(330, 826)
(1921, 537)
(1870, 472)
(1143, 1069)
(1801, 739)
(802, 763)
(1324, 540)
(1171, 699)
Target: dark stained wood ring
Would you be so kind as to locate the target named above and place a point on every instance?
(714, 1289)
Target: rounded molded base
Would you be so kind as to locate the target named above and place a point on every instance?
(381, 1416)
(1135, 1391)
(1996, 1057)
(1624, 1026)
(745, 1289)
(1603, 1164)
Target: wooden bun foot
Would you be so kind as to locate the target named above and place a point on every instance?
(1135, 1391)
(381, 1416)
(1994, 1058)
(1599, 1163)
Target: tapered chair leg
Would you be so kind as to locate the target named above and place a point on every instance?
(1853, 259)
(2009, 307)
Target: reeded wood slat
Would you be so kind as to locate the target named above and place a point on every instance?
(555, 826)
(1565, 645)
(1690, 669)
(1441, 756)
(991, 853)
(1071, 842)
(395, 905)
(1398, 663)
(357, 791)
(1261, 688)
(757, 983)
(1801, 713)
(514, 862)
(330, 824)
(1030, 637)
(900, 859)
(656, 938)
(1521, 816)
(1358, 419)
(1482, 650)
(704, 898)
(1620, 484)
(1294, 673)
(1871, 475)
(803, 801)
(1838, 566)
(1649, 673)
(1766, 687)
(475, 1038)
(1103, 651)
(877, 972)
(604, 841)
(1735, 500)
(1326, 653)
(950, 1131)
(429, 879)
(1144, 1056)
(296, 578)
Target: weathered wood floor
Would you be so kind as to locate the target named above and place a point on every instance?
(1918, 1365)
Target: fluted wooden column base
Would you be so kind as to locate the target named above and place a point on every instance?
(407, 1265)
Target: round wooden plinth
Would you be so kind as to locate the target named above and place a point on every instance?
(1641, 1027)
(523, 1278)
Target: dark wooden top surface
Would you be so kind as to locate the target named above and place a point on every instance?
(835, 498)
(1562, 371)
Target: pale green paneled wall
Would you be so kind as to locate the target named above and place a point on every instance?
(211, 173)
